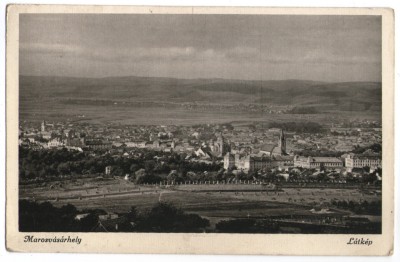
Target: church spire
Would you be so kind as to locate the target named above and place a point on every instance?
(282, 142)
(43, 126)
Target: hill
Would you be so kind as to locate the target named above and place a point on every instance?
(346, 96)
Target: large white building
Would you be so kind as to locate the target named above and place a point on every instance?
(360, 161)
(318, 162)
(55, 143)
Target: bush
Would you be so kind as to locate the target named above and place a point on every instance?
(246, 226)
(164, 217)
(44, 217)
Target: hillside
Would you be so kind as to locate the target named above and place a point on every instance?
(347, 96)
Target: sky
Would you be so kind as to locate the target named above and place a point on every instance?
(253, 47)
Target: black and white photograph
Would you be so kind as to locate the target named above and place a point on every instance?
(205, 123)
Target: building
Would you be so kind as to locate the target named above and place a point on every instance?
(43, 126)
(282, 143)
(256, 163)
(218, 148)
(318, 162)
(229, 161)
(156, 143)
(56, 142)
(108, 170)
(112, 223)
(97, 144)
(151, 137)
(268, 149)
(273, 149)
(136, 143)
(373, 161)
(74, 139)
(203, 153)
(269, 156)
(282, 161)
(242, 162)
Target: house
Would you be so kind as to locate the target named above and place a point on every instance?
(115, 224)
(282, 161)
(81, 216)
(137, 143)
(55, 143)
(267, 149)
(202, 152)
(108, 170)
(196, 135)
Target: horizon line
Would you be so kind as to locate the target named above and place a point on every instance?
(200, 78)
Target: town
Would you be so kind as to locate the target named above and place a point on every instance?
(244, 148)
(322, 178)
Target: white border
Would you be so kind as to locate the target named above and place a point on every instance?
(47, 257)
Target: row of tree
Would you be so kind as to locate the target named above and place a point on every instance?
(50, 163)
(360, 208)
(303, 110)
(298, 127)
(162, 217)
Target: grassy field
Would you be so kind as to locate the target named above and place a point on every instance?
(239, 201)
(50, 110)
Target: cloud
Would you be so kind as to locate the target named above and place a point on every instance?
(239, 62)
(142, 54)
(236, 54)
(50, 48)
(134, 54)
(242, 53)
(318, 56)
(323, 57)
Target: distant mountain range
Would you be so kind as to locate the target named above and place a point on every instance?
(345, 96)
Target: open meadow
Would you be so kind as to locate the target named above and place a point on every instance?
(214, 202)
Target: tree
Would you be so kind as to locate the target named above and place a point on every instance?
(240, 175)
(191, 175)
(134, 167)
(133, 214)
(165, 217)
(117, 171)
(89, 222)
(92, 170)
(139, 175)
(149, 166)
(64, 168)
(44, 217)
(68, 209)
(322, 177)
(173, 176)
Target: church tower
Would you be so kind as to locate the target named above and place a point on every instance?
(220, 145)
(43, 126)
(282, 143)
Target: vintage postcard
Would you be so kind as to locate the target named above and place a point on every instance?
(200, 130)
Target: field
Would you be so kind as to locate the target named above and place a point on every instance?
(129, 114)
(159, 101)
(215, 202)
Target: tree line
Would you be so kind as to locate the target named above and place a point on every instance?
(53, 163)
(298, 127)
(162, 217)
